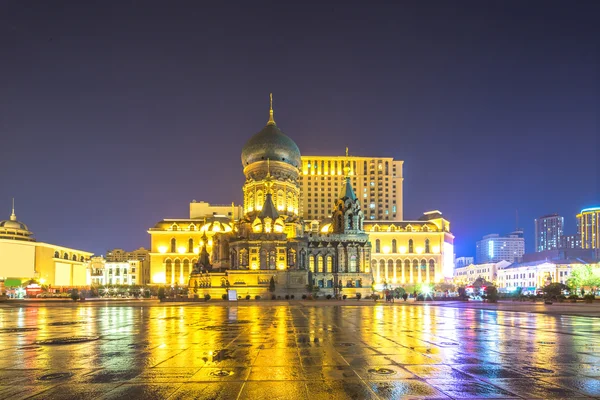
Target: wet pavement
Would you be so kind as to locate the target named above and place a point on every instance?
(294, 351)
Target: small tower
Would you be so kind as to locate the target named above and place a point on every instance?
(347, 214)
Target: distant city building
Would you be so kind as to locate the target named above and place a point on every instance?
(22, 258)
(494, 248)
(467, 274)
(142, 255)
(377, 182)
(548, 231)
(202, 209)
(571, 241)
(105, 273)
(588, 224)
(562, 254)
(461, 262)
(531, 276)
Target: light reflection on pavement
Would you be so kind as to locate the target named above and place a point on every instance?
(294, 351)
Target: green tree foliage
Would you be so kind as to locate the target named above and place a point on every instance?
(491, 294)
(554, 289)
(584, 276)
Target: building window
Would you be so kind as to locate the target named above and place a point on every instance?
(311, 263)
(427, 246)
(173, 245)
(394, 246)
(377, 246)
(329, 264)
(411, 248)
(191, 246)
(320, 264)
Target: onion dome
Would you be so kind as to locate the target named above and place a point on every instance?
(271, 144)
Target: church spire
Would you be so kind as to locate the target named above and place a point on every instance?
(347, 191)
(13, 216)
(271, 119)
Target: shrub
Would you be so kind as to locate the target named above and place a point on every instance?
(287, 296)
(304, 297)
(573, 298)
(257, 297)
(273, 297)
(74, 295)
(492, 294)
(561, 298)
(224, 297)
(292, 297)
(589, 298)
(161, 293)
(247, 297)
(207, 297)
(358, 296)
(278, 297)
(328, 297)
(344, 297)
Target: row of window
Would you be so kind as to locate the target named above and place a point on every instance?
(394, 249)
(67, 257)
(334, 166)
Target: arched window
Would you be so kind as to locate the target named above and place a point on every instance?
(311, 263)
(66, 256)
(291, 257)
(431, 270)
(233, 257)
(264, 259)
(382, 269)
(173, 245)
(259, 199)
(353, 264)
(329, 265)
(407, 270)
(243, 258)
(169, 271)
(390, 268)
(56, 254)
(177, 271)
(74, 257)
(399, 269)
(190, 245)
(411, 247)
(423, 265)
(320, 263)
(280, 200)
(427, 246)
(377, 246)
(302, 259)
(272, 260)
(174, 227)
(186, 269)
(81, 258)
(394, 246)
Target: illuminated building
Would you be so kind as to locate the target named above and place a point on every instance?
(548, 231)
(460, 262)
(22, 258)
(271, 236)
(570, 241)
(466, 275)
(142, 275)
(494, 248)
(588, 223)
(377, 182)
(536, 274)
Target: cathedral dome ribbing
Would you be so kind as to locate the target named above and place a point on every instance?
(271, 144)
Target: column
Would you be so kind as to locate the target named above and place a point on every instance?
(395, 268)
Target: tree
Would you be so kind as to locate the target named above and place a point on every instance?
(74, 295)
(554, 289)
(272, 285)
(584, 276)
(491, 294)
(161, 293)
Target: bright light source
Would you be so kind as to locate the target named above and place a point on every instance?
(162, 249)
(386, 249)
(181, 250)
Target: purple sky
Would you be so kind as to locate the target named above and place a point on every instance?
(115, 114)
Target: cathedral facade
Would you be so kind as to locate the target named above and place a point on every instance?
(270, 241)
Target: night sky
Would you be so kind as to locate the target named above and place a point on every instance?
(116, 114)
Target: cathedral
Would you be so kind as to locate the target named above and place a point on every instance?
(267, 241)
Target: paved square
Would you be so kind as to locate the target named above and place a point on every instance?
(295, 350)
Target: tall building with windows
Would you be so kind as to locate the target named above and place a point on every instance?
(494, 248)
(461, 262)
(377, 182)
(570, 241)
(588, 225)
(548, 231)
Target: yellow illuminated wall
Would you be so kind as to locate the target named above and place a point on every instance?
(17, 259)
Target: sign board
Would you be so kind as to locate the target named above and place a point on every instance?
(232, 295)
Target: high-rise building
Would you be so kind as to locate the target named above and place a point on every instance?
(548, 231)
(588, 226)
(570, 241)
(494, 248)
(377, 182)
